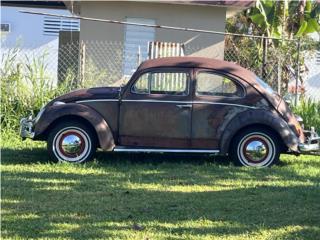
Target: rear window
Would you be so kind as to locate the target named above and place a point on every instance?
(265, 85)
(212, 84)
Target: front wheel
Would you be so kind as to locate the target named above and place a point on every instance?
(255, 147)
(71, 142)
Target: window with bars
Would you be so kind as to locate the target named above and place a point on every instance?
(53, 25)
(5, 27)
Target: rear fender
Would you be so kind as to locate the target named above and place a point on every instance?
(260, 117)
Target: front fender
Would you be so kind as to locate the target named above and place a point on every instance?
(260, 117)
(54, 113)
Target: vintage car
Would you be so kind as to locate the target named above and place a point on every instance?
(176, 104)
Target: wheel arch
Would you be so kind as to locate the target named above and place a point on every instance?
(259, 118)
(283, 146)
(72, 111)
(76, 118)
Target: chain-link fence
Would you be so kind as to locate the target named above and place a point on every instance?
(99, 63)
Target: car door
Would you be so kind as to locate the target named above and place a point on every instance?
(155, 110)
(216, 98)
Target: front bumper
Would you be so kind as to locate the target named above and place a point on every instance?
(26, 128)
(312, 143)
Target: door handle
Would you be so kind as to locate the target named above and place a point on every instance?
(182, 106)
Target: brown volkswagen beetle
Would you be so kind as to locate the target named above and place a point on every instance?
(176, 104)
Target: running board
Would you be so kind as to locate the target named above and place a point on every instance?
(166, 150)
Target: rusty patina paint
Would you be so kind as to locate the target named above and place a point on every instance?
(120, 117)
(53, 113)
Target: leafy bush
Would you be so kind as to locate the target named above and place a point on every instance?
(310, 112)
(25, 87)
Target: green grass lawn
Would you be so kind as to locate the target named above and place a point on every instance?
(141, 196)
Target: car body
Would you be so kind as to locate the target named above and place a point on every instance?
(174, 104)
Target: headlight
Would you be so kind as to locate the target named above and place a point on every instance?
(299, 119)
(57, 103)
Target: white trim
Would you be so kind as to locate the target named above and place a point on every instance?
(190, 102)
(156, 101)
(221, 103)
(123, 149)
(164, 101)
(98, 100)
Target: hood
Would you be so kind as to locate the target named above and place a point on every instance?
(90, 94)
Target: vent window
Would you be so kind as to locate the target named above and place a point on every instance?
(53, 25)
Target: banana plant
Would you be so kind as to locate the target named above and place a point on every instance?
(309, 17)
(269, 15)
(286, 18)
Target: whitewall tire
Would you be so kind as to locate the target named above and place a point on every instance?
(255, 147)
(71, 142)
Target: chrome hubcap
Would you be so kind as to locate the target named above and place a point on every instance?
(256, 150)
(72, 144)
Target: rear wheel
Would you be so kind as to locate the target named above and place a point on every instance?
(255, 147)
(71, 142)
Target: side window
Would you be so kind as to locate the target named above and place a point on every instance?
(217, 85)
(172, 83)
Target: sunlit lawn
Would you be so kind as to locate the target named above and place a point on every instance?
(141, 196)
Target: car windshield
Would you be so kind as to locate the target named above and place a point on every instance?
(265, 85)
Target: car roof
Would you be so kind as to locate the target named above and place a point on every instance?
(200, 62)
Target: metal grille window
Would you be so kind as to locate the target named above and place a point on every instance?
(5, 27)
(53, 25)
(136, 43)
(172, 83)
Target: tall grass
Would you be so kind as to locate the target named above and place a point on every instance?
(309, 110)
(25, 86)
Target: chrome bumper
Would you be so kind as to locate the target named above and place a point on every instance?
(313, 142)
(26, 128)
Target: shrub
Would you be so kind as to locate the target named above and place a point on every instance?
(25, 87)
(309, 110)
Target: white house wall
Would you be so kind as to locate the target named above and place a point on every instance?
(200, 17)
(26, 33)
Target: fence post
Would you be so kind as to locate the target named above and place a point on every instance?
(298, 72)
(264, 57)
(82, 61)
(279, 75)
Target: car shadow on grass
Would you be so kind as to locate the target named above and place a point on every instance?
(40, 155)
(120, 195)
(120, 202)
